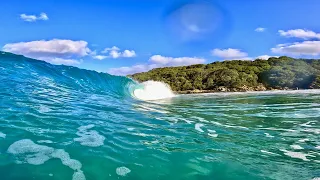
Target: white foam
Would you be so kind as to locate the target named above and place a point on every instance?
(278, 129)
(2, 135)
(66, 160)
(198, 127)
(316, 178)
(297, 155)
(200, 119)
(71, 163)
(315, 131)
(150, 142)
(84, 128)
(228, 126)
(153, 90)
(50, 175)
(130, 129)
(303, 140)
(45, 141)
(138, 164)
(307, 124)
(143, 135)
(268, 135)
(317, 147)
(30, 152)
(40, 131)
(122, 171)
(185, 120)
(212, 133)
(89, 137)
(78, 176)
(44, 109)
(26, 151)
(295, 146)
(267, 152)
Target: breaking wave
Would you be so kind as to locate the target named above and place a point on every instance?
(18, 70)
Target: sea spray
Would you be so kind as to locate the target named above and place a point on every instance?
(153, 90)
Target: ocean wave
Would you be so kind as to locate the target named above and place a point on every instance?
(61, 81)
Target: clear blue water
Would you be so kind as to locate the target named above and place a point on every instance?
(59, 122)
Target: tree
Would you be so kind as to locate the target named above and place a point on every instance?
(274, 73)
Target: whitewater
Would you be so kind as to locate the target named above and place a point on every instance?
(62, 122)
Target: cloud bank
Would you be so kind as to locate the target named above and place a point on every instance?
(56, 51)
(157, 61)
(298, 48)
(229, 53)
(300, 33)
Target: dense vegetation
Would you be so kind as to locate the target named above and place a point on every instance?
(275, 73)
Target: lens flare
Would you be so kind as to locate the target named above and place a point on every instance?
(196, 21)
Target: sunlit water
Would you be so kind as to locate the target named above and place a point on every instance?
(58, 122)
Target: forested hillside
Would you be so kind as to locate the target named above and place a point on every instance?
(238, 75)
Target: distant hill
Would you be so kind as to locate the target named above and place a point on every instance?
(238, 75)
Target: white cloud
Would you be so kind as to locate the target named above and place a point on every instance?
(235, 54)
(245, 59)
(29, 18)
(128, 53)
(55, 47)
(300, 33)
(265, 57)
(43, 16)
(260, 29)
(122, 71)
(114, 48)
(100, 57)
(33, 18)
(55, 50)
(298, 48)
(157, 61)
(180, 61)
(115, 53)
(229, 53)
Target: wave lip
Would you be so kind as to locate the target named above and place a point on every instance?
(153, 90)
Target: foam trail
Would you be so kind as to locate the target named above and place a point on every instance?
(122, 171)
(153, 90)
(26, 151)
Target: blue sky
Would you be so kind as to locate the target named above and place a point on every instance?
(128, 36)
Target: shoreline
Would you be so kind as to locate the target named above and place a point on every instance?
(233, 91)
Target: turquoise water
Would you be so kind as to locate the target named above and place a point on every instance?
(59, 122)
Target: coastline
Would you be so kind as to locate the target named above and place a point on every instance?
(231, 90)
(276, 73)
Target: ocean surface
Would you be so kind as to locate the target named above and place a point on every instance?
(64, 123)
